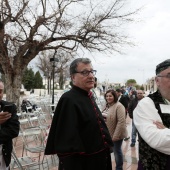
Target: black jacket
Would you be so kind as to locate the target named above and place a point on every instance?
(8, 131)
(133, 103)
(77, 126)
(124, 99)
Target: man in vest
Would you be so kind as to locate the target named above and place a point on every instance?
(152, 120)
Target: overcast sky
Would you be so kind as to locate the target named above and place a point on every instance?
(152, 38)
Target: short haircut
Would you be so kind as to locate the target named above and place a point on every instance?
(74, 64)
(113, 93)
(119, 90)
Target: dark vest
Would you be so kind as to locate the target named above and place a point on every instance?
(150, 158)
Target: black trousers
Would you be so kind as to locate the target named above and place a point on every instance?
(98, 161)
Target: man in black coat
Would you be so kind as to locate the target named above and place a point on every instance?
(132, 105)
(78, 134)
(124, 99)
(9, 129)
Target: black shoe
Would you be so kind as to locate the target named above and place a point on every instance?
(125, 139)
(132, 145)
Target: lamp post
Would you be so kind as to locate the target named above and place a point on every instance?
(53, 60)
(45, 82)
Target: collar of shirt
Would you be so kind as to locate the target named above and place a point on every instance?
(119, 97)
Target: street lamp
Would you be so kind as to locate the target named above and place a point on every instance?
(45, 82)
(53, 60)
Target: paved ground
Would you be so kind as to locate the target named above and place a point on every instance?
(130, 153)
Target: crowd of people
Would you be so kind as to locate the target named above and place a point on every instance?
(83, 136)
(149, 119)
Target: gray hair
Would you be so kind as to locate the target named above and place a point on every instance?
(74, 64)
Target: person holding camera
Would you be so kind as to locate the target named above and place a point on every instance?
(9, 129)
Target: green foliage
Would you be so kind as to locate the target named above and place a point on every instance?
(139, 87)
(38, 81)
(131, 82)
(31, 81)
(28, 79)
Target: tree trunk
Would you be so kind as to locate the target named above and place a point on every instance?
(13, 86)
(61, 80)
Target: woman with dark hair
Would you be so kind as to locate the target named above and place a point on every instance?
(114, 113)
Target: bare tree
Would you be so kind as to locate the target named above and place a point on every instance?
(45, 67)
(28, 27)
(61, 66)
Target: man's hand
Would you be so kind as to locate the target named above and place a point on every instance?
(4, 116)
(159, 125)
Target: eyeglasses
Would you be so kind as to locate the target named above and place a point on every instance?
(86, 72)
(166, 76)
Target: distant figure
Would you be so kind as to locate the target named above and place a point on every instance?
(31, 91)
(78, 134)
(93, 89)
(104, 88)
(152, 120)
(124, 99)
(132, 105)
(26, 103)
(132, 95)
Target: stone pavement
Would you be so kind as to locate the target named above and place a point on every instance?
(130, 153)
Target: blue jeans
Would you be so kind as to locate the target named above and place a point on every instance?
(134, 133)
(117, 149)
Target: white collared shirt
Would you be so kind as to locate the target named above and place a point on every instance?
(119, 97)
(144, 115)
(2, 162)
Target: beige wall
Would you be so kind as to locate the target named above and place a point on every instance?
(150, 85)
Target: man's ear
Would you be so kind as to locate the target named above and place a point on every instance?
(157, 80)
(72, 78)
